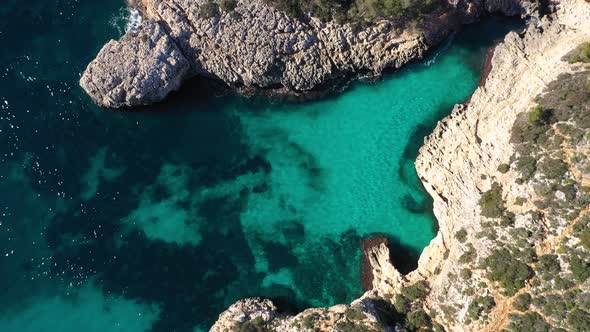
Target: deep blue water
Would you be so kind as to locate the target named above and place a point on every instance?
(158, 219)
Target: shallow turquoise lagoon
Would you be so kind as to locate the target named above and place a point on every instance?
(158, 219)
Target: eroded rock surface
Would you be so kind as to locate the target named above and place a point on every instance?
(139, 69)
(256, 47)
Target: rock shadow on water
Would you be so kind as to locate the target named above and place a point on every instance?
(404, 258)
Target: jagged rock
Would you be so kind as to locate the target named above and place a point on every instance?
(257, 47)
(386, 278)
(141, 68)
(244, 310)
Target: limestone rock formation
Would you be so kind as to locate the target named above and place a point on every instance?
(256, 48)
(141, 68)
(460, 159)
(464, 159)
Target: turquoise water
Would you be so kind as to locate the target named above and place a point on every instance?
(157, 220)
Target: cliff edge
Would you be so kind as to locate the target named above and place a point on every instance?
(510, 176)
(255, 48)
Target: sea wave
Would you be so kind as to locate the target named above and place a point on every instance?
(127, 19)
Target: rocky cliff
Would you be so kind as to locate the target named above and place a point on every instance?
(510, 177)
(256, 48)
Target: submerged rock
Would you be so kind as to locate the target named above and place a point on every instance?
(257, 48)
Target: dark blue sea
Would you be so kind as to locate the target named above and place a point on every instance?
(158, 218)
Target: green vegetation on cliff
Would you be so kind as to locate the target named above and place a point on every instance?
(539, 259)
(356, 10)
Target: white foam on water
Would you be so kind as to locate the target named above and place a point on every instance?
(440, 51)
(127, 19)
(134, 20)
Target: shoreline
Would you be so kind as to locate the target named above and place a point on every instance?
(455, 184)
(275, 56)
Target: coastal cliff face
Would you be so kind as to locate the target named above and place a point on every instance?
(510, 177)
(475, 150)
(254, 48)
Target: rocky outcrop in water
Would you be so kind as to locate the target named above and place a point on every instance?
(255, 48)
(509, 175)
(143, 67)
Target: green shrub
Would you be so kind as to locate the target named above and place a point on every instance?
(522, 302)
(528, 322)
(208, 10)
(356, 11)
(401, 304)
(585, 238)
(466, 274)
(461, 235)
(553, 168)
(579, 320)
(526, 255)
(481, 305)
(507, 219)
(562, 284)
(415, 291)
(519, 201)
(503, 168)
(507, 270)
(580, 268)
(417, 320)
(228, 5)
(582, 231)
(539, 116)
(580, 54)
(354, 314)
(309, 322)
(526, 166)
(548, 266)
(469, 255)
(523, 131)
(256, 325)
(491, 202)
(554, 305)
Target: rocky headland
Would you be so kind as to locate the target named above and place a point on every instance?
(255, 48)
(509, 172)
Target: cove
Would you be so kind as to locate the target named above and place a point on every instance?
(158, 219)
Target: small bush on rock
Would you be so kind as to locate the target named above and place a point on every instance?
(580, 268)
(522, 302)
(503, 168)
(461, 235)
(209, 10)
(530, 321)
(504, 268)
(415, 291)
(256, 325)
(228, 5)
(539, 116)
(526, 166)
(491, 202)
(480, 306)
(579, 320)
